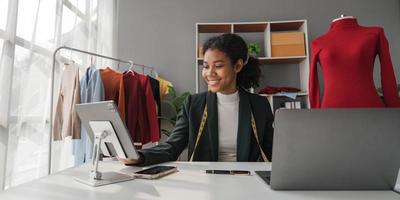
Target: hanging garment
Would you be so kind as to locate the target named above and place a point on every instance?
(66, 120)
(141, 115)
(92, 90)
(135, 108)
(346, 54)
(155, 88)
(113, 88)
(154, 135)
(164, 87)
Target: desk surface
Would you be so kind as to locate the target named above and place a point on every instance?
(189, 183)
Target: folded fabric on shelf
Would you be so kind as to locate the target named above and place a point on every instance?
(274, 90)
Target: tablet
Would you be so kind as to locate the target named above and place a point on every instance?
(104, 116)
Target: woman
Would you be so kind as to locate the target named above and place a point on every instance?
(226, 123)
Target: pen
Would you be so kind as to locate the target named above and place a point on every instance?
(228, 172)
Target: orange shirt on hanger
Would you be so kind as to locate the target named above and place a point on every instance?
(113, 88)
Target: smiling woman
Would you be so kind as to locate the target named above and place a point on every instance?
(209, 123)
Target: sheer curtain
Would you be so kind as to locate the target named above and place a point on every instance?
(98, 34)
(30, 30)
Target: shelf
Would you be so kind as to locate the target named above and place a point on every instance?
(247, 28)
(200, 61)
(283, 60)
(286, 26)
(273, 60)
(214, 28)
(281, 95)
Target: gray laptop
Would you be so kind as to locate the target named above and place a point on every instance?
(336, 149)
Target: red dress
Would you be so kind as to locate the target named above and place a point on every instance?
(347, 54)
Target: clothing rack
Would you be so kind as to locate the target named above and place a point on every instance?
(143, 66)
(131, 64)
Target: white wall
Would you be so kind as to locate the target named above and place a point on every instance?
(162, 33)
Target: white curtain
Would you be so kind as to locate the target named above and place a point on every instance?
(96, 35)
(33, 29)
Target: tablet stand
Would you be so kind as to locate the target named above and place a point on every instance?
(102, 130)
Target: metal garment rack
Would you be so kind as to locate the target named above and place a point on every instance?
(131, 64)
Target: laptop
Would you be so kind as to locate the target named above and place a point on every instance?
(335, 149)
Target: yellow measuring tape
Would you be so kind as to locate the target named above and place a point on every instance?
(203, 122)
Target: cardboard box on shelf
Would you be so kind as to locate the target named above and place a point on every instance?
(287, 44)
(200, 52)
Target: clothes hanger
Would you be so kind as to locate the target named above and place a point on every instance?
(343, 16)
(155, 73)
(151, 72)
(130, 70)
(70, 61)
(92, 61)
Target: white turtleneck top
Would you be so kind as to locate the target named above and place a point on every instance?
(228, 118)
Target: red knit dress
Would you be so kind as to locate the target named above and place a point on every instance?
(346, 54)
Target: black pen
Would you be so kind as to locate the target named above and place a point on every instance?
(228, 172)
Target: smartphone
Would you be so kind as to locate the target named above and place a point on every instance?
(155, 172)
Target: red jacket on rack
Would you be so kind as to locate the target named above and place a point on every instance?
(347, 54)
(140, 110)
(134, 108)
(151, 111)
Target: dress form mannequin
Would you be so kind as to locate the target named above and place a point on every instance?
(346, 54)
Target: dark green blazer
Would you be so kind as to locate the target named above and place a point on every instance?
(188, 123)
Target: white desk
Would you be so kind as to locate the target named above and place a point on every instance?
(189, 183)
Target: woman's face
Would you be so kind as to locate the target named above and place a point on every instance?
(219, 73)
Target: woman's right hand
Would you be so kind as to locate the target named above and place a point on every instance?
(130, 161)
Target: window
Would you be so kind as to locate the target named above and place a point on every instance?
(26, 18)
(28, 67)
(1, 47)
(3, 13)
(30, 83)
(36, 21)
(94, 5)
(46, 24)
(81, 5)
(27, 156)
(69, 20)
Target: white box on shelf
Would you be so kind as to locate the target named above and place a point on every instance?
(297, 105)
(288, 105)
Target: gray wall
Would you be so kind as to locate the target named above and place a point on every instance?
(161, 33)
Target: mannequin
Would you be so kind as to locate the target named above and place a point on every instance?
(346, 54)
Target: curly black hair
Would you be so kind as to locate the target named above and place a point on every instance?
(235, 48)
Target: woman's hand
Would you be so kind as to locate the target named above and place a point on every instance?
(130, 161)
